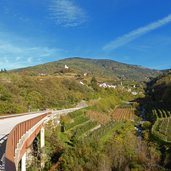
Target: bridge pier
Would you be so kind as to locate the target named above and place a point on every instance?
(42, 145)
(23, 162)
(42, 137)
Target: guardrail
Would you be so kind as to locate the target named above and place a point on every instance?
(3, 139)
(13, 138)
(20, 114)
(19, 130)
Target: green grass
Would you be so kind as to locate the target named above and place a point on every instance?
(78, 126)
(63, 137)
(76, 121)
(77, 113)
(110, 132)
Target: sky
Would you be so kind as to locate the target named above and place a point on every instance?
(130, 31)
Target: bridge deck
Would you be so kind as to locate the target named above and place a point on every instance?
(7, 124)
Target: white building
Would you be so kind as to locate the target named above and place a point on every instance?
(134, 93)
(81, 83)
(66, 67)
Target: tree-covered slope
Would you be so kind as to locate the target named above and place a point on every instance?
(98, 67)
(160, 89)
(23, 93)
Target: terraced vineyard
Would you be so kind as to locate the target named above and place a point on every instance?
(78, 124)
(123, 114)
(76, 121)
(161, 113)
(162, 129)
(81, 129)
(162, 126)
(104, 132)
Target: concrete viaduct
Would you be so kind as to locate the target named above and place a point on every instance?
(17, 133)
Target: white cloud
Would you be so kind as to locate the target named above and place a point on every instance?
(122, 40)
(67, 13)
(15, 56)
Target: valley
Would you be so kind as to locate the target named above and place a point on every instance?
(125, 124)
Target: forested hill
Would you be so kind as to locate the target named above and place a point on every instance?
(160, 88)
(97, 67)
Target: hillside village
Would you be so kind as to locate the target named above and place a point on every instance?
(132, 89)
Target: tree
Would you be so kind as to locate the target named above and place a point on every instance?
(34, 100)
(94, 83)
(5, 70)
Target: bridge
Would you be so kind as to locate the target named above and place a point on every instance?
(17, 133)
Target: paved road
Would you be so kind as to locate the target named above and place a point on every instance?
(7, 124)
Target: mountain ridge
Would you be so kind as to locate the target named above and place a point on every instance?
(100, 67)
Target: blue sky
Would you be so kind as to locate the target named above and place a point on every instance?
(130, 31)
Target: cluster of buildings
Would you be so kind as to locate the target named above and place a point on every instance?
(105, 85)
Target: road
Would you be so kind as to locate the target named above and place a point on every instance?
(6, 126)
(7, 123)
